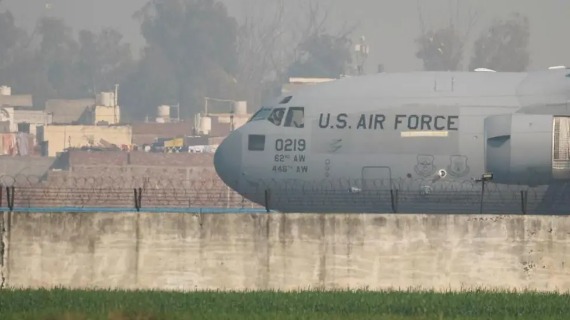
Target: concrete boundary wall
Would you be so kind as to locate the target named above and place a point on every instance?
(287, 252)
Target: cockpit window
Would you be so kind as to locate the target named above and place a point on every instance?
(262, 114)
(295, 117)
(276, 116)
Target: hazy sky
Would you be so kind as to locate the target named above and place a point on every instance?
(390, 26)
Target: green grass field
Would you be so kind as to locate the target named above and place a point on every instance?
(120, 305)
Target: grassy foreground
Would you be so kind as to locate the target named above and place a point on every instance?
(120, 305)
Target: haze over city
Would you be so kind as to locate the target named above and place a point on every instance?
(390, 27)
(317, 158)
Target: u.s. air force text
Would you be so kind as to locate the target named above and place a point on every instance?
(423, 122)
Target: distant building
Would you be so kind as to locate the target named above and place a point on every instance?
(69, 111)
(220, 124)
(7, 99)
(17, 113)
(58, 138)
(106, 109)
(103, 110)
(146, 133)
(170, 135)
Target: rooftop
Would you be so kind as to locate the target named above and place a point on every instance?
(24, 100)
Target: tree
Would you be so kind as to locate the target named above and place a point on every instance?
(443, 49)
(57, 55)
(440, 50)
(322, 55)
(273, 42)
(261, 49)
(12, 42)
(103, 60)
(504, 46)
(198, 40)
(53, 64)
(152, 83)
(11, 39)
(319, 53)
(46, 71)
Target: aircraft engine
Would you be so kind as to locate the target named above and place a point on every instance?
(527, 149)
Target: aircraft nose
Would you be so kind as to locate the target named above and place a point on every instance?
(227, 159)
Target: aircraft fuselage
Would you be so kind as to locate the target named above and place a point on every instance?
(350, 144)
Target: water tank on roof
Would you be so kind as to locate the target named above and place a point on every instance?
(205, 125)
(164, 112)
(5, 91)
(240, 107)
(106, 99)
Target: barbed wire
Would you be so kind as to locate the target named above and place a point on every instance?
(68, 190)
(113, 182)
(367, 195)
(427, 185)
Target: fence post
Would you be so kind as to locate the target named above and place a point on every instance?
(267, 196)
(524, 201)
(136, 200)
(482, 196)
(394, 198)
(140, 198)
(10, 197)
(1, 192)
(13, 195)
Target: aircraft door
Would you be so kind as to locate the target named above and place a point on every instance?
(376, 178)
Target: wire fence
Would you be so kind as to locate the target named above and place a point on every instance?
(22, 197)
(412, 196)
(341, 195)
(397, 201)
(120, 191)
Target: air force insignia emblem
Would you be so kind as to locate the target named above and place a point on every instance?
(425, 166)
(458, 166)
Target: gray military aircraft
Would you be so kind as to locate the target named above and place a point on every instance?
(409, 142)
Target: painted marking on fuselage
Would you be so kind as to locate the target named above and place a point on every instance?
(458, 166)
(418, 134)
(290, 153)
(425, 166)
(289, 158)
(335, 145)
(289, 169)
(421, 122)
(299, 158)
(299, 145)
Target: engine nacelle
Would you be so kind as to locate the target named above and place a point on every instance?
(528, 149)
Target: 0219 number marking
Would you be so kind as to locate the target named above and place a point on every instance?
(290, 145)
